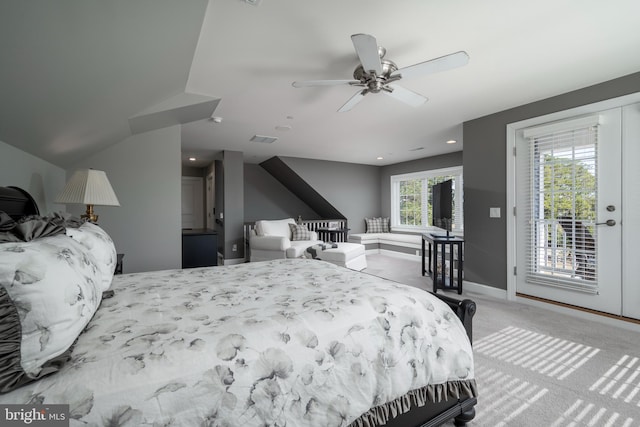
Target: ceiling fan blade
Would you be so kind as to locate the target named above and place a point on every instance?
(353, 101)
(367, 50)
(308, 83)
(443, 63)
(405, 95)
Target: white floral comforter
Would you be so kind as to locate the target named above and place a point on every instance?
(288, 342)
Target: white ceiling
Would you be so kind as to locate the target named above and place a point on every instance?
(74, 71)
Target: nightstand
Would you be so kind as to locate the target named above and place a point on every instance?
(118, 269)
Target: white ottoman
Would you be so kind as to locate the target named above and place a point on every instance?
(350, 255)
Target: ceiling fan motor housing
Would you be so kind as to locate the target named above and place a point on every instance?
(373, 81)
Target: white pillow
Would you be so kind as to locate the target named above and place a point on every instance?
(52, 282)
(99, 243)
(279, 227)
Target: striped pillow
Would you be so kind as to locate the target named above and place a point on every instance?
(299, 232)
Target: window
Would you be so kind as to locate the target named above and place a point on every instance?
(561, 212)
(411, 199)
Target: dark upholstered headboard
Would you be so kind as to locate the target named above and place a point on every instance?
(17, 203)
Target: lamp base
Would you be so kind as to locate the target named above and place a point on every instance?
(89, 215)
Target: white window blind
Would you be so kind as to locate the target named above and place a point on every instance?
(561, 212)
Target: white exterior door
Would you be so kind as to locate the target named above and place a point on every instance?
(569, 211)
(631, 211)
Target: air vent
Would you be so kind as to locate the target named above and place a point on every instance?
(263, 139)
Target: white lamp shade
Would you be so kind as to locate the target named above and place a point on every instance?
(88, 187)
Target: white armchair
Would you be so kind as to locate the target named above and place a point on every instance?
(273, 240)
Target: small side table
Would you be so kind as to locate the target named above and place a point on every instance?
(330, 234)
(118, 269)
(440, 278)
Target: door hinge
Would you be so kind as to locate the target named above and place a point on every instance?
(514, 211)
(515, 270)
(514, 150)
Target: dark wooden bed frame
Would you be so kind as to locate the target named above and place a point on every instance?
(18, 203)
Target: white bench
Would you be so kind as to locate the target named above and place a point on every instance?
(408, 244)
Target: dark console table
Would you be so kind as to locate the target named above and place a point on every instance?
(437, 255)
(199, 248)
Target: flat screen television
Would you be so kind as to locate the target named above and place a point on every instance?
(442, 205)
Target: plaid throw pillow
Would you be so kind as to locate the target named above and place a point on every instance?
(375, 225)
(299, 232)
(385, 225)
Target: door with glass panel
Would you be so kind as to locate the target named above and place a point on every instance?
(568, 211)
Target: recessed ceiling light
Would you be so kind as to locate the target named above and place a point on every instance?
(451, 141)
(192, 159)
(283, 128)
(379, 158)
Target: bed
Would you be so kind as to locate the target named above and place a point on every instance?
(293, 342)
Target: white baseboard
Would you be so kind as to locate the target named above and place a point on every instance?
(233, 261)
(627, 325)
(481, 289)
(501, 294)
(397, 254)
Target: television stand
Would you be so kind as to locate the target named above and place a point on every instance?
(437, 266)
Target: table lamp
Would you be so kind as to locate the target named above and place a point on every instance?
(89, 187)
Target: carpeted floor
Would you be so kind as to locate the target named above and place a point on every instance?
(536, 367)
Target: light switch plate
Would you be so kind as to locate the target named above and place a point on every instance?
(494, 212)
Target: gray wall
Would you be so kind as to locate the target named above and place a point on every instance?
(266, 198)
(41, 179)
(352, 189)
(233, 183)
(145, 173)
(485, 176)
(419, 165)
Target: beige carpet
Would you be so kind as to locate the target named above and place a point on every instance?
(536, 367)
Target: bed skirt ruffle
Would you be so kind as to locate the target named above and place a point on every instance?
(435, 393)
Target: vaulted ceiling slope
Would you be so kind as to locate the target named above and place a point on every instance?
(75, 71)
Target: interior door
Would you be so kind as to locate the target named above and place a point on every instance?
(568, 222)
(192, 202)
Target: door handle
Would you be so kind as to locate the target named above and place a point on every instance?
(609, 222)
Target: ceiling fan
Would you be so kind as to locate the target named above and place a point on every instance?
(376, 74)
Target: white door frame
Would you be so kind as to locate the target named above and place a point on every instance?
(511, 169)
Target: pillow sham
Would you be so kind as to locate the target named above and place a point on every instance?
(49, 291)
(101, 246)
(373, 225)
(299, 232)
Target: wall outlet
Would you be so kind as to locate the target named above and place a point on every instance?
(494, 212)
(234, 248)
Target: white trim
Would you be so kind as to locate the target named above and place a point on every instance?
(561, 126)
(485, 290)
(456, 171)
(233, 261)
(397, 254)
(580, 314)
(511, 130)
(501, 294)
